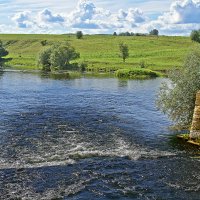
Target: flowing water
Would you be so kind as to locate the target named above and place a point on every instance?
(89, 138)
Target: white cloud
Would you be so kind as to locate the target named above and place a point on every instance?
(135, 16)
(41, 22)
(87, 16)
(23, 19)
(183, 12)
(182, 17)
(46, 16)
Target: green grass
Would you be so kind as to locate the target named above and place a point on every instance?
(101, 52)
(137, 73)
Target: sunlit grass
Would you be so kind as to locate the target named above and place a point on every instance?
(101, 52)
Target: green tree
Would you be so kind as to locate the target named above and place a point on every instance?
(44, 59)
(124, 51)
(3, 53)
(195, 36)
(154, 32)
(177, 98)
(62, 55)
(79, 34)
(57, 57)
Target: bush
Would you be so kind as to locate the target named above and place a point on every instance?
(3, 53)
(57, 57)
(177, 99)
(83, 67)
(44, 59)
(136, 73)
(195, 36)
(43, 42)
(143, 64)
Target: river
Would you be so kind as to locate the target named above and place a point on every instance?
(90, 138)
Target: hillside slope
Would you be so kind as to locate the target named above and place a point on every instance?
(101, 52)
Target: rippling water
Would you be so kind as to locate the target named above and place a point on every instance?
(89, 138)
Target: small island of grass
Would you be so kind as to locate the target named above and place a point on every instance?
(137, 73)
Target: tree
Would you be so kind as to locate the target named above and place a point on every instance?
(44, 59)
(124, 51)
(79, 34)
(115, 34)
(177, 99)
(195, 36)
(154, 32)
(3, 53)
(57, 57)
(62, 55)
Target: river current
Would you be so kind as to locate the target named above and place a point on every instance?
(90, 138)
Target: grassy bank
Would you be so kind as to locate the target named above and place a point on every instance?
(137, 73)
(101, 52)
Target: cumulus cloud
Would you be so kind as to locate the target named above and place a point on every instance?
(47, 17)
(40, 22)
(23, 19)
(87, 16)
(132, 15)
(183, 12)
(182, 17)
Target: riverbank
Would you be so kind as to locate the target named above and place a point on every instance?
(140, 74)
(186, 138)
(155, 53)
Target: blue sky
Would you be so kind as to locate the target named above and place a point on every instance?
(171, 17)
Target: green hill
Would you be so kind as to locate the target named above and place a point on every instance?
(101, 52)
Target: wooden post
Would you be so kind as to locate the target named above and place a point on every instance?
(195, 129)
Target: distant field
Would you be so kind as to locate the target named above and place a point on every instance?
(101, 52)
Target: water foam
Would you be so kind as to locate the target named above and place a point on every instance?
(72, 146)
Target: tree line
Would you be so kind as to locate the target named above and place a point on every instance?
(153, 32)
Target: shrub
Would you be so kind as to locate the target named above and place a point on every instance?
(136, 73)
(195, 36)
(3, 53)
(44, 59)
(177, 99)
(43, 42)
(83, 67)
(143, 64)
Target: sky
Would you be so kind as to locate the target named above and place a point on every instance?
(170, 17)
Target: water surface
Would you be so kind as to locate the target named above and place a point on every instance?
(89, 138)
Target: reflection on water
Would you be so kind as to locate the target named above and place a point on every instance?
(123, 83)
(1, 73)
(89, 138)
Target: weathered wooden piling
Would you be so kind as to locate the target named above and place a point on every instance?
(195, 129)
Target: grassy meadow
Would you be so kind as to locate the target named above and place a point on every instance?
(101, 52)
